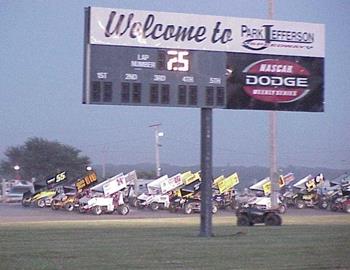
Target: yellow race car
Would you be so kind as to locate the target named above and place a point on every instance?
(41, 198)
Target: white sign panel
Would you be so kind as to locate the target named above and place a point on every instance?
(171, 183)
(115, 184)
(203, 32)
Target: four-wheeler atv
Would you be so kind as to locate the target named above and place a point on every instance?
(249, 216)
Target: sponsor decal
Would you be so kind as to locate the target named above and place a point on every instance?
(266, 36)
(276, 81)
(58, 178)
(86, 181)
(313, 183)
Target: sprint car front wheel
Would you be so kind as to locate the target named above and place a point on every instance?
(188, 209)
(97, 210)
(215, 208)
(25, 202)
(123, 210)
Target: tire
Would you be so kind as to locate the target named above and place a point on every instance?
(333, 207)
(300, 204)
(154, 206)
(282, 208)
(81, 209)
(25, 202)
(172, 208)
(323, 204)
(138, 205)
(347, 208)
(97, 210)
(133, 202)
(40, 203)
(69, 207)
(54, 206)
(215, 208)
(188, 209)
(243, 220)
(233, 205)
(273, 220)
(123, 210)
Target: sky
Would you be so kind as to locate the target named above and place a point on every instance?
(41, 74)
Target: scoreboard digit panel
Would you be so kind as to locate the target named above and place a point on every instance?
(122, 75)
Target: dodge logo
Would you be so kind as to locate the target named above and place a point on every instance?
(276, 81)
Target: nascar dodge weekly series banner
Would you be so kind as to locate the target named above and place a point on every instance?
(270, 65)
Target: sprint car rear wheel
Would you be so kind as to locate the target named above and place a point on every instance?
(69, 207)
(40, 203)
(133, 202)
(272, 219)
(123, 210)
(347, 208)
(154, 206)
(282, 209)
(243, 220)
(139, 205)
(323, 204)
(300, 204)
(97, 210)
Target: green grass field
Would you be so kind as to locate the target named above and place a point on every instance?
(301, 243)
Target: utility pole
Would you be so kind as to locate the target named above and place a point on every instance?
(206, 172)
(104, 153)
(273, 137)
(157, 134)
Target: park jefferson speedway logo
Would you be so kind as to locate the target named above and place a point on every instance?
(266, 36)
(276, 81)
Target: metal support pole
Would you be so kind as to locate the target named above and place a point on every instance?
(206, 172)
(4, 198)
(157, 145)
(273, 160)
(104, 153)
(273, 137)
(157, 152)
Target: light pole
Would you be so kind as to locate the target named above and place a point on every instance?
(273, 137)
(157, 134)
(16, 168)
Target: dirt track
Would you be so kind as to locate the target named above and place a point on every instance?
(16, 213)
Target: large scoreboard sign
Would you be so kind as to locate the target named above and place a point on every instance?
(182, 60)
